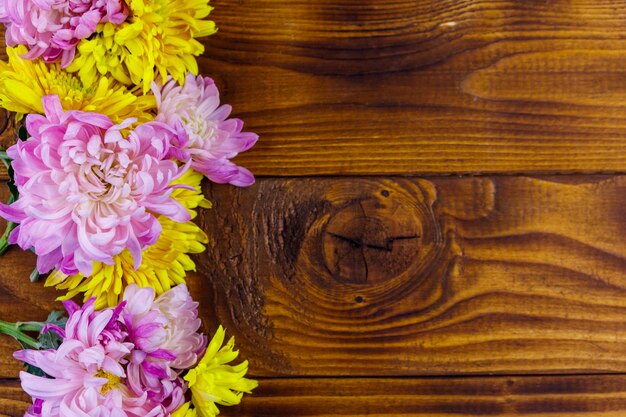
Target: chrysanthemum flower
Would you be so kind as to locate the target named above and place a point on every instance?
(165, 334)
(52, 28)
(184, 411)
(23, 84)
(215, 381)
(182, 337)
(163, 265)
(212, 139)
(86, 371)
(86, 192)
(158, 37)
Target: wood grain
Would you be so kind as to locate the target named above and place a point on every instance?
(372, 277)
(13, 401)
(339, 87)
(344, 87)
(19, 299)
(584, 396)
(554, 396)
(353, 290)
(396, 276)
(7, 138)
(399, 276)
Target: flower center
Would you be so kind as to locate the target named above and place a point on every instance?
(69, 88)
(107, 180)
(201, 128)
(112, 381)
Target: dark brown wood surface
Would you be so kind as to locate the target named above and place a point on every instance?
(590, 396)
(343, 87)
(431, 86)
(398, 276)
(506, 275)
(436, 397)
(362, 275)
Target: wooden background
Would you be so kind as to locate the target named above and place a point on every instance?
(438, 224)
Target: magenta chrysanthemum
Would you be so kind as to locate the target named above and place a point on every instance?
(212, 139)
(86, 371)
(51, 29)
(165, 334)
(86, 192)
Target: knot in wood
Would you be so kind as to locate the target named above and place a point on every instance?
(372, 239)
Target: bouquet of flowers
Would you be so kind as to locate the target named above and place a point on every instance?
(116, 132)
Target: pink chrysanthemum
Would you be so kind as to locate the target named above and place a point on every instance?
(165, 334)
(86, 192)
(86, 371)
(212, 138)
(182, 327)
(51, 29)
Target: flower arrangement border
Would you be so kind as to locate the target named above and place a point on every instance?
(116, 132)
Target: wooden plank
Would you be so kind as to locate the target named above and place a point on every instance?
(399, 276)
(404, 276)
(438, 397)
(555, 396)
(455, 86)
(13, 401)
(20, 300)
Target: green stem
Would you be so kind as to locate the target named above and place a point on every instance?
(30, 326)
(13, 330)
(4, 240)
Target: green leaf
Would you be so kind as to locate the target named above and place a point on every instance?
(4, 239)
(35, 371)
(47, 340)
(22, 133)
(15, 194)
(11, 183)
(50, 339)
(34, 276)
(57, 317)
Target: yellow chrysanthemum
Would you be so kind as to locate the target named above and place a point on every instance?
(157, 38)
(23, 83)
(214, 381)
(185, 411)
(164, 264)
